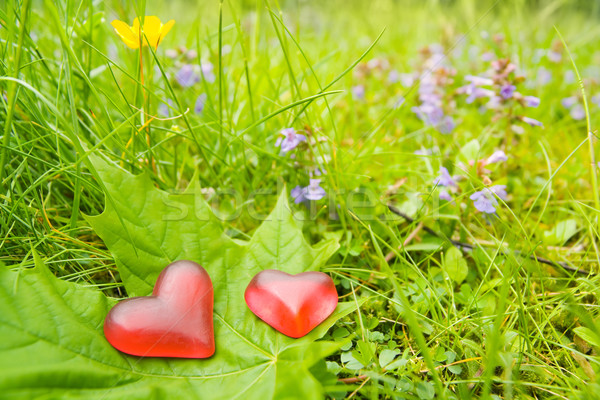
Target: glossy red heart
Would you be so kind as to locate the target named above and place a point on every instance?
(175, 321)
(292, 304)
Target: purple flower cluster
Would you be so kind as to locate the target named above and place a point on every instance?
(497, 156)
(473, 89)
(164, 109)
(376, 67)
(432, 93)
(313, 191)
(207, 71)
(532, 122)
(575, 108)
(446, 182)
(485, 199)
(186, 77)
(200, 102)
(507, 90)
(500, 90)
(544, 76)
(358, 92)
(290, 139)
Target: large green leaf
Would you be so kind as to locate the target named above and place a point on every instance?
(53, 344)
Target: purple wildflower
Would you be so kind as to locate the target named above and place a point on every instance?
(485, 201)
(431, 99)
(298, 194)
(568, 102)
(186, 76)
(497, 156)
(500, 191)
(487, 56)
(314, 191)
(290, 140)
(358, 92)
(531, 101)
(596, 99)
(577, 112)
(569, 76)
(494, 103)
(444, 179)
(507, 91)
(207, 71)
(478, 80)
(199, 105)
(474, 92)
(444, 195)
(544, 76)
(428, 113)
(446, 126)
(433, 80)
(554, 56)
(531, 121)
(393, 76)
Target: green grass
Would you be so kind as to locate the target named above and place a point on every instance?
(509, 328)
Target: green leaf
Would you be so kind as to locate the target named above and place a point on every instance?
(455, 265)
(469, 152)
(340, 333)
(365, 352)
(588, 335)
(425, 390)
(53, 344)
(387, 356)
(349, 360)
(561, 232)
(455, 369)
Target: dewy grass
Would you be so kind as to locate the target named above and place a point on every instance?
(386, 93)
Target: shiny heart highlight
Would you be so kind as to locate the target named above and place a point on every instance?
(175, 321)
(292, 304)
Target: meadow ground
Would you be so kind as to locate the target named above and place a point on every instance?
(450, 147)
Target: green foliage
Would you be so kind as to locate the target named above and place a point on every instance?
(63, 321)
(561, 232)
(455, 265)
(488, 318)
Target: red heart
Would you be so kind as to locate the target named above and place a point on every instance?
(292, 304)
(176, 321)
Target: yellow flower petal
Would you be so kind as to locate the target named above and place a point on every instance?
(165, 29)
(125, 32)
(152, 30)
(136, 25)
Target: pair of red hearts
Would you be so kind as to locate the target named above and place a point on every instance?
(177, 321)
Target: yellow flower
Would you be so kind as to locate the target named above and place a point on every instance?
(153, 30)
